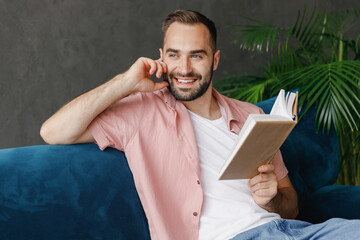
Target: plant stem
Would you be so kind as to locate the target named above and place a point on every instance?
(341, 47)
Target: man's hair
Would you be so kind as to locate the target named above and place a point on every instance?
(191, 17)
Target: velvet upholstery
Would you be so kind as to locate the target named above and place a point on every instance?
(81, 192)
(68, 192)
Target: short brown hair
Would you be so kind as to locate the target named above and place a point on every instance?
(191, 17)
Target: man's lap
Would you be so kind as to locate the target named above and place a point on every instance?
(335, 228)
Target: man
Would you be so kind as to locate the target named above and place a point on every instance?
(176, 135)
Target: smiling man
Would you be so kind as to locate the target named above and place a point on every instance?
(190, 59)
(176, 135)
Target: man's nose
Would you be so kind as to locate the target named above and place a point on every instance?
(185, 66)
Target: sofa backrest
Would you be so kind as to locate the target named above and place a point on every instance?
(68, 192)
(312, 159)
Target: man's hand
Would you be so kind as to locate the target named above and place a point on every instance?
(264, 186)
(272, 195)
(138, 76)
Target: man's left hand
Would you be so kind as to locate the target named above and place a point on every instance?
(264, 186)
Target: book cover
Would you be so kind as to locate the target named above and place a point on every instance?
(260, 138)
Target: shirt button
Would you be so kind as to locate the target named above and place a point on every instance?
(198, 182)
(195, 214)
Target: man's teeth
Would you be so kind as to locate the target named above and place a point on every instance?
(185, 81)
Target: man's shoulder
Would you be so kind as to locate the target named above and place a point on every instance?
(144, 97)
(141, 101)
(236, 104)
(157, 97)
(240, 103)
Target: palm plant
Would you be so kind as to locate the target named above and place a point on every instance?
(320, 56)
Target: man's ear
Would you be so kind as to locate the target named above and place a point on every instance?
(161, 54)
(216, 59)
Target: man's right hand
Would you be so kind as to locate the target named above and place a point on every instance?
(138, 75)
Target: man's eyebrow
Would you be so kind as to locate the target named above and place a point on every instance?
(172, 50)
(199, 51)
(192, 51)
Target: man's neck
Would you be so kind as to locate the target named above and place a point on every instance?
(205, 106)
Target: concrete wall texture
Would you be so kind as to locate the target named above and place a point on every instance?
(53, 50)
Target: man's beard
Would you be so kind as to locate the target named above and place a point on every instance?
(188, 94)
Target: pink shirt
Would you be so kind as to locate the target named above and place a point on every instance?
(157, 135)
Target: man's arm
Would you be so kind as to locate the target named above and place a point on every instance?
(70, 124)
(272, 195)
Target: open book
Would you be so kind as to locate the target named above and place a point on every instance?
(260, 138)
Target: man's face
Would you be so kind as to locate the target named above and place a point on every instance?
(190, 60)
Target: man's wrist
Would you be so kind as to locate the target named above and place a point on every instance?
(272, 205)
(120, 86)
(284, 203)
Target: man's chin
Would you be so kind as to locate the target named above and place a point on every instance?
(185, 95)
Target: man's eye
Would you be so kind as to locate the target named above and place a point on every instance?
(196, 56)
(173, 55)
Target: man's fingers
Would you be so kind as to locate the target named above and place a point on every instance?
(265, 192)
(156, 66)
(262, 177)
(163, 65)
(266, 168)
(263, 185)
(160, 69)
(266, 175)
(160, 85)
(153, 66)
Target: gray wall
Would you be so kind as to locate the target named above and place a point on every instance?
(52, 51)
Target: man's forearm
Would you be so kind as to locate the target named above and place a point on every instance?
(284, 203)
(72, 120)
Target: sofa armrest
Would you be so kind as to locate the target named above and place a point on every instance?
(68, 192)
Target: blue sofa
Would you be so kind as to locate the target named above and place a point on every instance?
(81, 192)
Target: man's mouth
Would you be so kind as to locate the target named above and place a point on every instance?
(181, 80)
(185, 82)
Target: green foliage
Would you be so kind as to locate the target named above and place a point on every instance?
(350, 158)
(320, 55)
(249, 88)
(333, 88)
(310, 56)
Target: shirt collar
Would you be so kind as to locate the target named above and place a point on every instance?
(233, 122)
(168, 98)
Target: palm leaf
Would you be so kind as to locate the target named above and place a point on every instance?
(327, 86)
(303, 36)
(249, 88)
(309, 39)
(254, 36)
(342, 21)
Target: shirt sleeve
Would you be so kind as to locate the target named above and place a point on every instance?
(280, 168)
(116, 126)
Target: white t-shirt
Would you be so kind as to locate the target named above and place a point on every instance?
(229, 207)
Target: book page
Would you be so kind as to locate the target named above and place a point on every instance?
(284, 104)
(279, 107)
